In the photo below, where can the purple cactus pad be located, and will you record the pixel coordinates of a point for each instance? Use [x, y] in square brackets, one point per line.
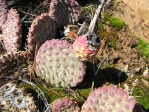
[59, 70]
[110, 99]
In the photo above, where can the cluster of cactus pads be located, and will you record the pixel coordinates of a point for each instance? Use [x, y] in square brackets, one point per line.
[61, 12]
[58, 62]
[14, 99]
[103, 99]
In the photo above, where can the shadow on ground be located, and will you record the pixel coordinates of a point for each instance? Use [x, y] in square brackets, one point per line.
[84, 2]
[110, 75]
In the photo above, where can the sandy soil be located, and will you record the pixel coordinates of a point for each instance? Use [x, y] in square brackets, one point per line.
[135, 13]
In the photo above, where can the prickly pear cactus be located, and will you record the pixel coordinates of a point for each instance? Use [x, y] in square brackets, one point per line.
[110, 99]
[13, 65]
[12, 31]
[13, 99]
[65, 105]
[56, 64]
[86, 46]
[43, 28]
[3, 12]
[64, 11]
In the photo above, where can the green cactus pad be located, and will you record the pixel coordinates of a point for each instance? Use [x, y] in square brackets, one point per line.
[110, 99]
[56, 63]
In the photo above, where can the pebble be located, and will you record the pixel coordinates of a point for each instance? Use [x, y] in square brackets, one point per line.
[126, 88]
[146, 72]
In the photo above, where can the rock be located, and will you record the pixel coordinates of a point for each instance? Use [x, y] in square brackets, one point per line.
[145, 82]
[136, 82]
[126, 87]
[146, 72]
[126, 68]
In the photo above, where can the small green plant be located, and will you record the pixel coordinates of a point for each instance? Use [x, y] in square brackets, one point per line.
[101, 31]
[143, 48]
[105, 17]
[142, 97]
[116, 23]
[100, 25]
[112, 42]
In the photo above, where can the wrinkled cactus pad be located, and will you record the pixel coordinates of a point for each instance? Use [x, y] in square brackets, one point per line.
[13, 99]
[86, 47]
[12, 31]
[43, 28]
[13, 64]
[3, 12]
[110, 99]
[56, 63]
[65, 105]
[64, 11]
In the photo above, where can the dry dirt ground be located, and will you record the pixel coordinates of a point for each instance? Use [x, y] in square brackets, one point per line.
[136, 14]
